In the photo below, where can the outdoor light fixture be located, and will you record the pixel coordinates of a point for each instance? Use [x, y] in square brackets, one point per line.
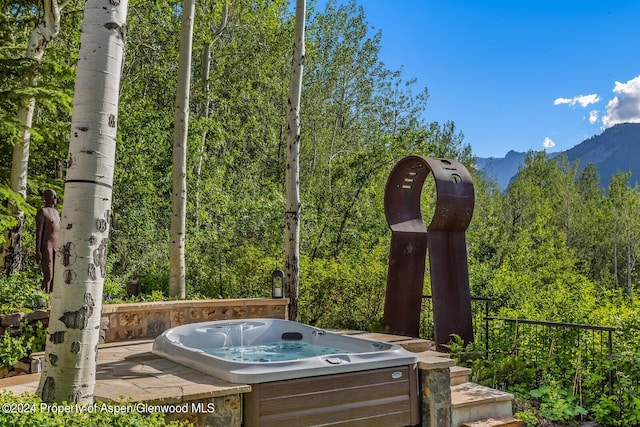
[277, 284]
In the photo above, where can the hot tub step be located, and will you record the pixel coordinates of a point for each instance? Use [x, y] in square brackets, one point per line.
[459, 374]
[412, 344]
[473, 402]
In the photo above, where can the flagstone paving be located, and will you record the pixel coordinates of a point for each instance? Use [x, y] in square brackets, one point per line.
[130, 370]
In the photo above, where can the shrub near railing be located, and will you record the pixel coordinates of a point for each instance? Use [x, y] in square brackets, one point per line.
[552, 346]
[562, 371]
[620, 407]
[557, 357]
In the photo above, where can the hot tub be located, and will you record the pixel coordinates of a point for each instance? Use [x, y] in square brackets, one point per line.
[301, 375]
[263, 350]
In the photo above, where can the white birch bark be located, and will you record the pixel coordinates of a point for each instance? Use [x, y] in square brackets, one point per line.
[179, 196]
[292, 177]
[205, 70]
[74, 326]
[47, 28]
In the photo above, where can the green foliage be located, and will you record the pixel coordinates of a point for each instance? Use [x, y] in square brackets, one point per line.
[346, 292]
[557, 404]
[27, 339]
[113, 289]
[11, 198]
[493, 369]
[553, 247]
[21, 290]
[529, 419]
[618, 377]
[48, 81]
[28, 410]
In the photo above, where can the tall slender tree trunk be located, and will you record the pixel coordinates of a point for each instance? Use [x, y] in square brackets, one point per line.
[615, 253]
[629, 281]
[47, 27]
[80, 265]
[206, 69]
[179, 197]
[292, 177]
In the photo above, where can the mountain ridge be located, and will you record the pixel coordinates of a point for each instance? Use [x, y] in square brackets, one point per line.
[616, 149]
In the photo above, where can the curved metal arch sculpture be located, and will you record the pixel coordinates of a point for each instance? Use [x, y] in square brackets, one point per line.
[444, 239]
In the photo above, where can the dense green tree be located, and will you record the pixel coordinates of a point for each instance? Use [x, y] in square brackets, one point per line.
[35, 104]
[236, 165]
[142, 179]
[625, 206]
[487, 236]
[591, 238]
[359, 118]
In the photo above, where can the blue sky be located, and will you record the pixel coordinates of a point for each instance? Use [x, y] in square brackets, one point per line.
[520, 74]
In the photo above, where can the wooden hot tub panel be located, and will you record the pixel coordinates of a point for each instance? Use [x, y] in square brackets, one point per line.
[382, 397]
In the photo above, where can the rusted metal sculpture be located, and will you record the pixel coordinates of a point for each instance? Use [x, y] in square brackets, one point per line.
[445, 240]
[47, 233]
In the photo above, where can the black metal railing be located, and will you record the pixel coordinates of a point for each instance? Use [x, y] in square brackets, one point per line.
[552, 347]
[572, 335]
[542, 347]
[479, 312]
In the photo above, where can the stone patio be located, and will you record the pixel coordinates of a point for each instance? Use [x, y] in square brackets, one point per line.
[128, 371]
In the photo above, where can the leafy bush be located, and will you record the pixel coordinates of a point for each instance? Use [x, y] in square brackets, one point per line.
[28, 339]
[346, 292]
[250, 277]
[621, 406]
[114, 289]
[21, 290]
[557, 404]
[7, 197]
[527, 417]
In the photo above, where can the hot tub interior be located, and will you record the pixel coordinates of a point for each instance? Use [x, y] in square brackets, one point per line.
[262, 350]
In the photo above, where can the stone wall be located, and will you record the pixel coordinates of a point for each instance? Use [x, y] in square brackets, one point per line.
[145, 320]
[10, 323]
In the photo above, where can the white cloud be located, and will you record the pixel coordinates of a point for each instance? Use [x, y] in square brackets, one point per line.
[562, 101]
[548, 143]
[593, 116]
[583, 100]
[624, 108]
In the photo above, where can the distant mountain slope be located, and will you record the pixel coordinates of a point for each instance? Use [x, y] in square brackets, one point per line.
[502, 169]
[615, 149]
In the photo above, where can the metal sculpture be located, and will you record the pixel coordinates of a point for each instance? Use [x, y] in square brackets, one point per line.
[444, 239]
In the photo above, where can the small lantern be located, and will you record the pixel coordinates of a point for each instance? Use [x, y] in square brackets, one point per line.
[277, 284]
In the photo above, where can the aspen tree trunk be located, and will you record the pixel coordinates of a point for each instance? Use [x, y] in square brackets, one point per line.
[179, 196]
[47, 27]
[292, 215]
[630, 263]
[205, 70]
[80, 264]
